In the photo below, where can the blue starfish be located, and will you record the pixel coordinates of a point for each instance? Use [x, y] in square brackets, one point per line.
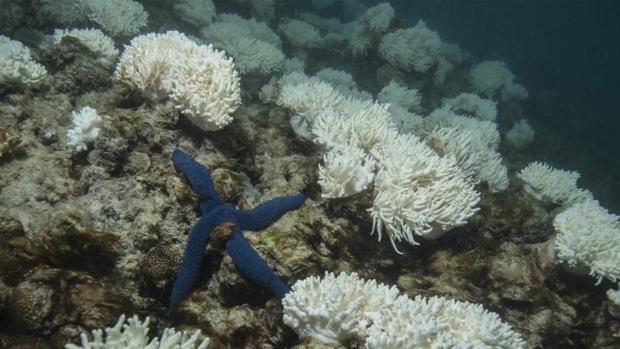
[216, 212]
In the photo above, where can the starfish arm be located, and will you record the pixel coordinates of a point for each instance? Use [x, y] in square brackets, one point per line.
[252, 266]
[193, 255]
[267, 213]
[197, 175]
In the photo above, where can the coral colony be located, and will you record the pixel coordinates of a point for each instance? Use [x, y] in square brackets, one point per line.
[422, 148]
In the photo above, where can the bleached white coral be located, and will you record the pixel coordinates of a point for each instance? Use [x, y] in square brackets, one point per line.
[417, 192]
[201, 81]
[396, 94]
[443, 117]
[60, 11]
[424, 195]
[307, 98]
[253, 45]
[133, 334]
[345, 308]
[363, 123]
[250, 27]
[337, 78]
[85, 128]
[293, 65]
[406, 121]
[491, 78]
[17, 65]
[613, 297]
[343, 82]
[205, 87]
[470, 104]
[548, 184]
[589, 236]
[370, 27]
[334, 308]
[346, 170]
[439, 322]
[300, 34]
[146, 62]
[94, 39]
[410, 49]
[472, 142]
[196, 12]
[255, 56]
[117, 17]
[520, 134]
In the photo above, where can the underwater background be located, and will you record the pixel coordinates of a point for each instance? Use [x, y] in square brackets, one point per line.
[564, 53]
[309, 174]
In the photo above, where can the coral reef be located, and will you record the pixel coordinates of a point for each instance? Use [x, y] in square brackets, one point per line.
[416, 140]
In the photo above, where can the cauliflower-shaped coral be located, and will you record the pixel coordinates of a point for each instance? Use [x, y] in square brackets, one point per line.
[146, 62]
[255, 47]
[473, 105]
[410, 49]
[520, 134]
[17, 65]
[374, 23]
[334, 308]
[589, 237]
[196, 12]
[117, 17]
[300, 34]
[201, 81]
[491, 78]
[205, 87]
